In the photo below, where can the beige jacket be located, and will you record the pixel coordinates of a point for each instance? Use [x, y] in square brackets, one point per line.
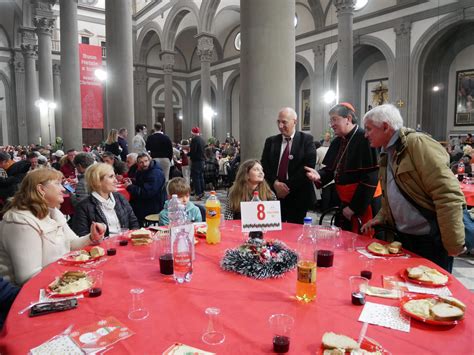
[27, 243]
[421, 169]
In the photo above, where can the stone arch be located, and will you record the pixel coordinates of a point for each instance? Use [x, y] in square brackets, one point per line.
[317, 12]
[176, 98]
[207, 14]
[5, 33]
[418, 58]
[145, 34]
[12, 133]
[177, 13]
[306, 64]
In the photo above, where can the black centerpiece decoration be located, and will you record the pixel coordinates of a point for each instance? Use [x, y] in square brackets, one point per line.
[260, 259]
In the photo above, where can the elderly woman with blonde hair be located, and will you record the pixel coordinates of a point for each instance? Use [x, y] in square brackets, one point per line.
[104, 204]
[34, 233]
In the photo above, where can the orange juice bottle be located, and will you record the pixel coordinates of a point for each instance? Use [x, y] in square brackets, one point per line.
[306, 269]
[213, 219]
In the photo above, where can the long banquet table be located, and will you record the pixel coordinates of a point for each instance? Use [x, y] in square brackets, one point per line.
[177, 311]
[468, 191]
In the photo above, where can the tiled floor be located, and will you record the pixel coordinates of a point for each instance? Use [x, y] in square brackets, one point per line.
[463, 266]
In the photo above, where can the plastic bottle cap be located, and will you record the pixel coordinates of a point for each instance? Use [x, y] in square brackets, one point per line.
[308, 220]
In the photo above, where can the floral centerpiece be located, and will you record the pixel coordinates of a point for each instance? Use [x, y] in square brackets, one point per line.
[260, 259]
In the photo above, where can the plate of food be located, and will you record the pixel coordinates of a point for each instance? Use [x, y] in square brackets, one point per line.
[425, 276]
[390, 250]
[430, 309]
[200, 230]
[337, 344]
[70, 283]
[141, 236]
[84, 255]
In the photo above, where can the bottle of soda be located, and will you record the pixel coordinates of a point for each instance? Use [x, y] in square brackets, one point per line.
[461, 170]
[256, 234]
[173, 211]
[182, 250]
[306, 279]
[213, 219]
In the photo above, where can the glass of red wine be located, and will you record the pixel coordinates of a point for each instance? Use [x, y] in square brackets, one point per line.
[281, 326]
[367, 267]
[326, 241]
[358, 289]
[95, 277]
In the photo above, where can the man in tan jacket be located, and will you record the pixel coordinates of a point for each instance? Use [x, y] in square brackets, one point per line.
[422, 198]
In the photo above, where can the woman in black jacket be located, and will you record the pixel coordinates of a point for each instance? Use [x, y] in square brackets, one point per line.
[111, 144]
[103, 204]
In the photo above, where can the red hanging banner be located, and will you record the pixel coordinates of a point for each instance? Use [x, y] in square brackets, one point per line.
[91, 87]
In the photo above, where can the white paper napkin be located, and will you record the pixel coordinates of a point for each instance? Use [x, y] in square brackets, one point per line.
[439, 291]
[61, 344]
[364, 252]
[385, 316]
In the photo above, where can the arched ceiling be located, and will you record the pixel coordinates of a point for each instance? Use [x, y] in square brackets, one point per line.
[227, 19]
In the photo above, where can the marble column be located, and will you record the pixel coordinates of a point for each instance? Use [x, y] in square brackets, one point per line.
[118, 28]
[267, 67]
[345, 49]
[20, 101]
[140, 78]
[318, 116]
[30, 50]
[402, 71]
[220, 120]
[44, 23]
[70, 78]
[58, 124]
[188, 113]
[205, 50]
[167, 60]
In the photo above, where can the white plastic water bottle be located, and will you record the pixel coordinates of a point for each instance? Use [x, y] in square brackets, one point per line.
[182, 257]
[173, 211]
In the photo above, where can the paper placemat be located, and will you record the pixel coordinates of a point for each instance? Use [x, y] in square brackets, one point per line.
[364, 252]
[439, 291]
[61, 344]
[182, 349]
[385, 316]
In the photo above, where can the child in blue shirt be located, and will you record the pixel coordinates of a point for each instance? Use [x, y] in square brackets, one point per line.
[180, 187]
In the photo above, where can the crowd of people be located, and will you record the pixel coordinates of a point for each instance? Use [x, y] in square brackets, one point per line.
[375, 170]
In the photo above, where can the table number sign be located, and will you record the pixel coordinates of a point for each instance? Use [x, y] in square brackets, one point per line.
[260, 215]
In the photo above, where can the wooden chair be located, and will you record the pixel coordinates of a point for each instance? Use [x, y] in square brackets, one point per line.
[151, 220]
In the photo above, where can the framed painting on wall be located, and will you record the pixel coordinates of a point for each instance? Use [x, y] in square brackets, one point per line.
[306, 109]
[376, 93]
[464, 107]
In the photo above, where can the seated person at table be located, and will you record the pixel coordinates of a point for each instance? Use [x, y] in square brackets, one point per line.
[82, 161]
[34, 233]
[249, 178]
[179, 186]
[8, 294]
[120, 167]
[104, 204]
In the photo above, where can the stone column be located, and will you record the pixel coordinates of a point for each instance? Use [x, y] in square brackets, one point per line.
[29, 48]
[205, 50]
[118, 26]
[140, 91]
[20, 101]
[167, 59]
[44, 23]
[58, 124]
[70, 78]
[267, 67]
[188, 113]
[318, 125]
[220, 119]
[345, 50]
[402, 71]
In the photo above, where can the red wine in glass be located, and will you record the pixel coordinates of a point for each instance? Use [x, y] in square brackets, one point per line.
[166, 264]
[367, 274]
[123, 242]
[358, 298]
[325, 258]
[111, 251]
[281, 344]
[95, 292]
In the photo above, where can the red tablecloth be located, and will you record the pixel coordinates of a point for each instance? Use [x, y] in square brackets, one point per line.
[68, 209]
[468, 191]
[177, 311]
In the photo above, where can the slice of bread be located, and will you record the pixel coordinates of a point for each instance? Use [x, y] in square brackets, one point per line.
[334, 352]
[141, 241]
[396, 245]
[420, 307]
[97, 251]
[393, 250]
[453, 301]
[141, 233]
[415, 272]
[336, 341]
[377, 248]
[446, 312]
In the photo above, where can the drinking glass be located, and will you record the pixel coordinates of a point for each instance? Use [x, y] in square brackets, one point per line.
[165, 254]
[367, 267]
[281, 326]
[213, 334]
[137, 310]
[122, 237]
[326, 240]
[96, 277]
[358, 288]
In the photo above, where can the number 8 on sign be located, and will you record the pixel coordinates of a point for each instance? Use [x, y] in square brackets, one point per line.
[260, 211]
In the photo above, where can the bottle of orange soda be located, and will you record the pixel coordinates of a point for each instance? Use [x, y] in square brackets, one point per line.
[213, 219]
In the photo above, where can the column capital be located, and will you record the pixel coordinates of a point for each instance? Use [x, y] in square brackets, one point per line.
[403, 28]
[44, 25]
[30, 50]
[205, 47]
[140, 76]
[28, 36]
[19, 66]
[319, 50]
[167, 60]
[344, 6]
[56, 69]
[43, 7]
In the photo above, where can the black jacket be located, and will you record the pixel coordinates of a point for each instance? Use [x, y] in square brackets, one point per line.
[124, 145]
[19, 169]
[88, 211]
[160, 146]
[196, 152]
[113, 148]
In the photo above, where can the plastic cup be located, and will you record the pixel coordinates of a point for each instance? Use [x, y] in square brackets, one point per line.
[358, 288]
[96, 277]
[137, 310]
[281, 326]
[214, 334]
[367, 267]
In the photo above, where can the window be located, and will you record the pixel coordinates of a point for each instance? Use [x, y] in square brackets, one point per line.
[103, 45]
[84, 40]
[237, 41]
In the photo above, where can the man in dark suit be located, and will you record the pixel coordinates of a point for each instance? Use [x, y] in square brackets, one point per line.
[161, 149]
[283, 159]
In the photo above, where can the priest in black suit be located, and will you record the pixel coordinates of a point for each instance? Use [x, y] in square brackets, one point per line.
[283, 159]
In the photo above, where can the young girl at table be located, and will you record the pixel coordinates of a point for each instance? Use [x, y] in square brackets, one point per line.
[34, 233]
[179, 186]
[249, 178]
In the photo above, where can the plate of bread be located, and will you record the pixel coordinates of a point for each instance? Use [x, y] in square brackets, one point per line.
[141, 236]
[70, 283]
[425, 276]
[379, 249]
[436, 310]
[84, 255]
[337, 344]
